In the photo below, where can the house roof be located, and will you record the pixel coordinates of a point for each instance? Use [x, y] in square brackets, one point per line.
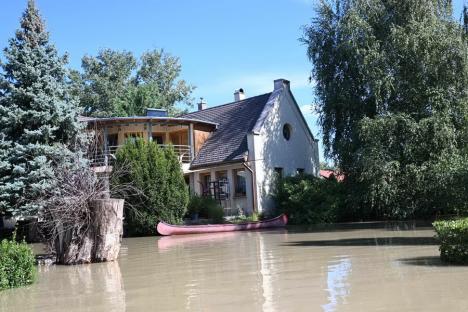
[145, 119]
[328, 174]
[235, 120]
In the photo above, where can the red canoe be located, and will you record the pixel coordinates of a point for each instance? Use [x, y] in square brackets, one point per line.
[169, 229]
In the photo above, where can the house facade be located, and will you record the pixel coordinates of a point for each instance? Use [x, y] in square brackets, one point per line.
[232, 152]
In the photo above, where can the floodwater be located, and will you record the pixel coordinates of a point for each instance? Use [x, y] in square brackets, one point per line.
[363, 267]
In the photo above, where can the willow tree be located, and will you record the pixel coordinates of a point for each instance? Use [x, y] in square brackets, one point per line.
[392, 81]
[37, 115]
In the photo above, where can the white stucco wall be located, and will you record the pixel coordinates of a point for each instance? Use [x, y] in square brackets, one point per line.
[270, 149]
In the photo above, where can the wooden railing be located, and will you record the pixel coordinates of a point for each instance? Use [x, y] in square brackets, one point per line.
[103, 158]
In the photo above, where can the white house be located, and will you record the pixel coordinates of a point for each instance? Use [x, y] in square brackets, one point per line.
[233, 151]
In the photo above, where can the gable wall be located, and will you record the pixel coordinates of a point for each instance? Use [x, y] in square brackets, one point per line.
[271, 149]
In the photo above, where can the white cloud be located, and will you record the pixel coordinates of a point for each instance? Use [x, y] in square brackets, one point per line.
[309, 110]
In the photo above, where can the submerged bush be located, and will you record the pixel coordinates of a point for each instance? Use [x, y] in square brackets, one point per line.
[206, 207]
[17, 264]
[453, 238]
[307, 199]
[157, 174]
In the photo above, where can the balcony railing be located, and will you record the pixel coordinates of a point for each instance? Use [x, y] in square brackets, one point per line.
[103, 158]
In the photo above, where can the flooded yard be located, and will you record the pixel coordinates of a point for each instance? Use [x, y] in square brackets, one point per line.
[370, 267]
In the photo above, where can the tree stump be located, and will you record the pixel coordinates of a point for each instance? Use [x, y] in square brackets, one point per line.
[100, 241]
[108, 228]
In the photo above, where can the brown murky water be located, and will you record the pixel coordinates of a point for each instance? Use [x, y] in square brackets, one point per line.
[348, 269]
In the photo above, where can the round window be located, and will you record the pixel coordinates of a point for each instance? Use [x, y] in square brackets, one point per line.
[287, 131]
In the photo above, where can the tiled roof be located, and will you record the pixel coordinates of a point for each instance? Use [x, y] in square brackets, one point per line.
[235, 120]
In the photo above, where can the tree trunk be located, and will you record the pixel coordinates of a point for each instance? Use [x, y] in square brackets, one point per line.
[100, 241]
[108, 228]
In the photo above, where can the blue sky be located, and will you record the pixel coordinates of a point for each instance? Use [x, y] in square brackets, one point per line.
[223, 45]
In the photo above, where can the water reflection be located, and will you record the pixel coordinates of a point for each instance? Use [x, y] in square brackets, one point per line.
[96, 287]
[338, 287]
[352, 270]
[266, 272]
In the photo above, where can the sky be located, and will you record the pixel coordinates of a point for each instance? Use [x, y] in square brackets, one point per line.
[222, 45]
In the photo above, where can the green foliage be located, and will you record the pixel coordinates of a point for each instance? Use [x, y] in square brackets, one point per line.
[115, 83]
[306, 199]
[37, 116]
[391, 81]
[453, 238]
[412, 169]
[206, 207]
[17, 264]
[156, 172]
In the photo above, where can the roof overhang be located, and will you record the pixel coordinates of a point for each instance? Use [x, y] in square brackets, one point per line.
[108, 121]
[199, 167]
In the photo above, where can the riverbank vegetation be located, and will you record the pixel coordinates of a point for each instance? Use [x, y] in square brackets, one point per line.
[17, 264]
[205, 207]
[453, 239]
[306, 199]
[157, 174]
[391, 91]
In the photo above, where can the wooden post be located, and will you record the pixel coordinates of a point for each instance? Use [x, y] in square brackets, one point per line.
[190, 141]
[150, 132]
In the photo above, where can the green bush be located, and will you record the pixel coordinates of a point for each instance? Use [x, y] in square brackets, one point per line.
[453, 238]
[157, 174]
[206, 207]
[17, 264]
[307, 199]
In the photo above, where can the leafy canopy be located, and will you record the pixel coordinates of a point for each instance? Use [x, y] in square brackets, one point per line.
[391, 88]
[115, 83]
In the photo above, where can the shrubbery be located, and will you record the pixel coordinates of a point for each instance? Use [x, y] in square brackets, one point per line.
[307, 199]
[17, 264]
[453, 238]
[157, 174]
[206, 207]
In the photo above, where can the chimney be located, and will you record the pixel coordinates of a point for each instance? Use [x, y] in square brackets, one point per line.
[202, 104]
[239, 95]
[281, 84]
[156, 112]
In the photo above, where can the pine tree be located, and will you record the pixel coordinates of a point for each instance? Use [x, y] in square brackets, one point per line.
[37, 115]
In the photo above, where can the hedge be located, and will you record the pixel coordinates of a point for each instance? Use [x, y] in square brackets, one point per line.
[453, 238]
[157, 174]
[206, 207]
[309, 200]
[17, 264]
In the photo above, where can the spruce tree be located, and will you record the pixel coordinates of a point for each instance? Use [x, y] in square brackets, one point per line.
[37, 115]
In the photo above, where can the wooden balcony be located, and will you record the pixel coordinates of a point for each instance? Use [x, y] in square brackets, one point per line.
[107, 158]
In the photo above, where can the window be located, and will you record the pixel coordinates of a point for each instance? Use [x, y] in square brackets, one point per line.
[287, 131]
[239, 182]
[158, 139]
[279, 172]
[300, 171]
[112, 139]
[205, 181]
